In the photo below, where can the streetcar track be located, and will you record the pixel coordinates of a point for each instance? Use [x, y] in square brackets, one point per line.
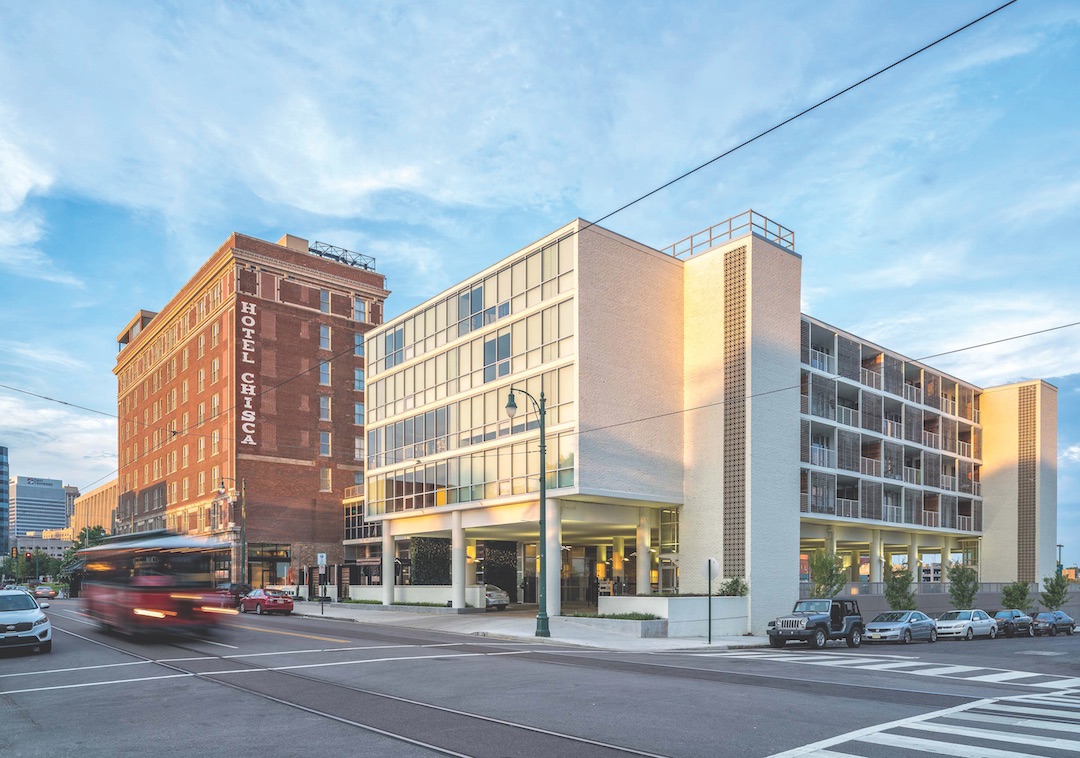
[599, 748]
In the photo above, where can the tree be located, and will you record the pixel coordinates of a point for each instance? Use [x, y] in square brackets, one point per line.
[898, 593]
[1055, 592]
[827, 574]
[88, 537]
[1016, 595]
[963, 585]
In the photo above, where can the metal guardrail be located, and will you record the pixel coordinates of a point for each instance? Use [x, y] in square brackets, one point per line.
[748, 222]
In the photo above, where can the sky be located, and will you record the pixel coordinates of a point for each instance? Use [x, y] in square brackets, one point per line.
[936, 207]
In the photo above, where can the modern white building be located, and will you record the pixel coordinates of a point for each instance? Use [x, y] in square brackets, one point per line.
[35, 504]
[692, 413]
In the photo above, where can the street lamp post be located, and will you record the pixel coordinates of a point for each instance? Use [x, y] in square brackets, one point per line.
[243, 525]
[542, 629]
[1060, 568]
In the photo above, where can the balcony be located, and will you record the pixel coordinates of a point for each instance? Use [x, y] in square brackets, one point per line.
[948, 406]
[975, 416]
[822, 456]
[894, 514]
[964, 523]
[976, 489]
[822, 361]
[912, 475]
[964, 449]
[948, 483]
[822, 504]
[931, 518]
[892, 428]
[931, 439]
[847, 416]
[351, 493]
[870, 378]
[913, 394]
[847, 508]
[870, 467]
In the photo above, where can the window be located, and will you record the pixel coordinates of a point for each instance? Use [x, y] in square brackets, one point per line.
[214, 370]
[201, 415]
[324, 443]
[201, 346]
[202, 380]
[183, 392]
[184, 485]
[215, 328]
[324, 301]
[359, 309]
[184, 358]
[324, 337]
[497, 356]
[358, 448]
[358, 478]
[202, 482]
[184, 457]
[215, 439]
[358, 414]
[358, 345]
[324, 373]
[358, 379]
[326, 483]
[324, 408]
[214, 406]
[201, 451]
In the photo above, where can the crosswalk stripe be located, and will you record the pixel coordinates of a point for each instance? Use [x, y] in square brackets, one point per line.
[1057, 743]
[987, 718]
[936, 748]
[891, 665]
[946, 670]
[1001, 676]
[1062, 684]
[1010, 708]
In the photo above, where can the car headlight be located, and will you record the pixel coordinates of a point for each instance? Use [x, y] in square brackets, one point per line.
[42, 620]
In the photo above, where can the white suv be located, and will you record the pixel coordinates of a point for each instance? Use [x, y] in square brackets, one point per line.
[22, 624]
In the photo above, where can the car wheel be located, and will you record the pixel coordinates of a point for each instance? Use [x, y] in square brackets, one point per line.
[243, 608]
[819, 639]
[1069, 630]
[969, 635]
[1031, 631]
[993, 632]
[1053, 631]
[45, 647]
[854, 639]
[288, 613]
[258, 609]
[933, 635]
[777, 642]
[907, 637]
[501, 607]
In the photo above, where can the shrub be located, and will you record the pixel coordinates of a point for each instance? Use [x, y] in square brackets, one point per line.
[734, 587]
[898, 593]
[1055, 592]
[1016, 595]
[963, 585]
[827, 574]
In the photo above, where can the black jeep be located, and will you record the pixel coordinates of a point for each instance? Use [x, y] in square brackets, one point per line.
[817, 622]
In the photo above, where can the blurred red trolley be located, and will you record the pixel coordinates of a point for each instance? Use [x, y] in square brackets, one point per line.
[153, 582]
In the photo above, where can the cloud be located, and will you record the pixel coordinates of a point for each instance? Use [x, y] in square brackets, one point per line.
[1070, 454]
[37, 357]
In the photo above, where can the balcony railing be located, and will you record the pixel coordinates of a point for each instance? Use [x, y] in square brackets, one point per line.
[822, 456]
[912, 393]
[847, 416]
[948, 444]
[948, 483]
[804, 403]
[931, 439]
[822, 361]
[354, 492]
[892, 428]
[847, 508]
[912, 475]
[963, 523]
[975, 414]
[930, 518]
[870, 378]
[948, 406]
[870, 467]
[747, 222]
[894, 514]
[822, 504]
[976, 488]
[964, 449]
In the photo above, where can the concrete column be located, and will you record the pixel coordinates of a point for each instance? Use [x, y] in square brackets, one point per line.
[913, 557]
[830, 540]
[457, 560]
[644, 558]
[618, 549]
[388, 555]
[470, 562]
[875, 555]
[553, 542]
[946, 552]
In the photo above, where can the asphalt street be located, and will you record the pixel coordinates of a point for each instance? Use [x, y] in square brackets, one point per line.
[292, 686]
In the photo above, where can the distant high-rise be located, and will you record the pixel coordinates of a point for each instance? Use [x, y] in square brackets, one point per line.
[35, 504]
[70, 493]
[4, 499]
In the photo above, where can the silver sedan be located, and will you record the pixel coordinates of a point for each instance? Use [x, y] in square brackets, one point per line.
[900, 626]
[966, 624]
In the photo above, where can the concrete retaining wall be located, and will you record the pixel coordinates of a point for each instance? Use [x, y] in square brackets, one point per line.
[686, 616]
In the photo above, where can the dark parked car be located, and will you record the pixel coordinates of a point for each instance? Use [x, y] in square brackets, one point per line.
[1052, 622]
[231, 593]
[266, 601]
[1013, 622]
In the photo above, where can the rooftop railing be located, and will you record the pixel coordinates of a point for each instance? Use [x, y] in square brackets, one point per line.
[748, 222]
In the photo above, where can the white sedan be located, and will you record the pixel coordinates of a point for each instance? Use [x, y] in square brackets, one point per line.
[966, 625]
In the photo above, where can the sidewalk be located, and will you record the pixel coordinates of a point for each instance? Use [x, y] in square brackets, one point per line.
[518, 625]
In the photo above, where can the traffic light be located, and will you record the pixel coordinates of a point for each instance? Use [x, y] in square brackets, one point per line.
[14, 552]
[29, 555]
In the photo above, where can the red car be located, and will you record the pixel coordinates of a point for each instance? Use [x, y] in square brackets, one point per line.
[266, 601]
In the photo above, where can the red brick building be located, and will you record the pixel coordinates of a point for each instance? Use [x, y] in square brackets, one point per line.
[241, 403]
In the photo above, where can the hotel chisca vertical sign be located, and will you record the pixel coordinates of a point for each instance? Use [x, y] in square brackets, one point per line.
[248, 328]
